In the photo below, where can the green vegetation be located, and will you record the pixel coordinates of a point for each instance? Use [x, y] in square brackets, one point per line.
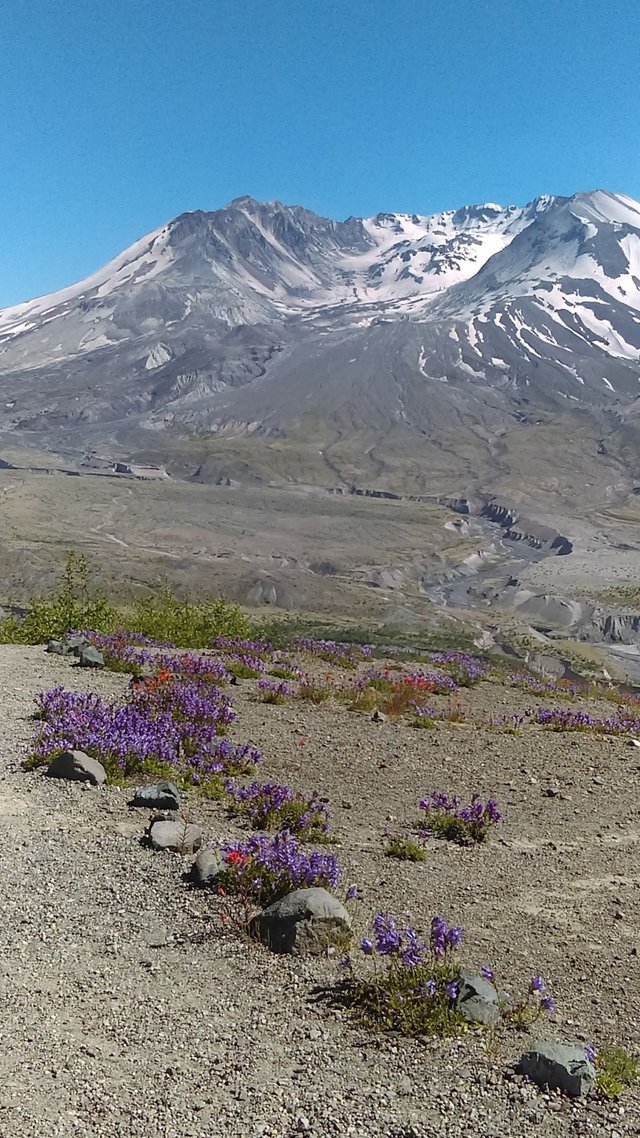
[282, 631]
[77, 605]
[404, 849]
[186, 624]
[616, 1071]
[73, 606]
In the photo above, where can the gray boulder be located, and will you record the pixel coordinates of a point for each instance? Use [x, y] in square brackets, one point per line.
[68, 646]
[73, 645]
[77, 767]
[305, 922]
[206, 869]
[56, 648]
[157, 796]
[90, 657]
[478, 1000]
[175, 835]
[560, 1065]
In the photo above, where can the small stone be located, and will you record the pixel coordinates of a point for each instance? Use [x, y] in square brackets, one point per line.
[157, 796]
[175, 835]
[56, 647]
[73, 645]
[379, 716]
[206, 868]
[90, 657]
[478, 1000]
[561, 1066]
[77, 767]
[306, 921]
[619, 915]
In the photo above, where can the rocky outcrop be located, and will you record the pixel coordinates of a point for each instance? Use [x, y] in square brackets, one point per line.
[619, 628]
[519, 528]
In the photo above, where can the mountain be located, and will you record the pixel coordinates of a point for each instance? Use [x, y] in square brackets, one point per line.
[403, 350]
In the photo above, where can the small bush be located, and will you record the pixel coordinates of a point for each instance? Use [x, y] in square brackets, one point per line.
[413, 987]
[187, 624]
[314, 693]
[616, 1071]
[361, 699]
[271, 692]
[448, 818]
[263, 869]
[272, 806]
[74, 605]
[526, 1011]
[404, 849]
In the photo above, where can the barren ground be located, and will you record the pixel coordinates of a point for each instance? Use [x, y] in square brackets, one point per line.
[129, 1012]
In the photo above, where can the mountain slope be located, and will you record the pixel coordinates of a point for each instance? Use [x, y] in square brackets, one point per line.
[264, 320]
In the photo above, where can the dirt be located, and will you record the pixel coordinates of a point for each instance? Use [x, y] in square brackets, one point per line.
[131, 1009]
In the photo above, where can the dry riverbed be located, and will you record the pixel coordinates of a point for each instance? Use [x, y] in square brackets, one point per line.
[130, 1012]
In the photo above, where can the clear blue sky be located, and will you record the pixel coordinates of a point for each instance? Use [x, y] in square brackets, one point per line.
[118, 115]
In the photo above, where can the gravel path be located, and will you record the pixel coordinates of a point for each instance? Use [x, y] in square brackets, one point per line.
[127, 1013]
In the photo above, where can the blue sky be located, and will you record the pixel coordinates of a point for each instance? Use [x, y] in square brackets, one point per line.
[118, 115]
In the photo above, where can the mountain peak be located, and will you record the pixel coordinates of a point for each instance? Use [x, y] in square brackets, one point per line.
[546, 294]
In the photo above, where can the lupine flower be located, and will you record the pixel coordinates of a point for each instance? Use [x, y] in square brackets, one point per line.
[352, 893]
[590, 1052]
[366, 945]
[273, 806]
[447, 817]
[547, 1004]
[413, 951]
[388, 939]
[453, 989]
[537, 984]
[273, 866]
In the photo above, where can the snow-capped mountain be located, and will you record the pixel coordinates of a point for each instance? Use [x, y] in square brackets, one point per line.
[254, 317]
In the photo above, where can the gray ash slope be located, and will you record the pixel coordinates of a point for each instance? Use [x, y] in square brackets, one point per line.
[264, 319]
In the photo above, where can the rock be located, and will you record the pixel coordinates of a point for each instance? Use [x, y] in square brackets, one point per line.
[559, 1065]
[73, 645]
[478, 1000]
[306, 921]
[69, 645]
[174, 834]
[90, 657]
[379, 716]
[206, 868]
[77, 767]
[157, 796]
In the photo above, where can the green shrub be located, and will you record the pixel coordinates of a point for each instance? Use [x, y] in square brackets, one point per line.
[73, 606]
[76, 605]
[404, 849]
[187, 624]
[616, 1071]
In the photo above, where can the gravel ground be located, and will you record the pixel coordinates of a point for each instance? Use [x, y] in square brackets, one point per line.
[127, 1012]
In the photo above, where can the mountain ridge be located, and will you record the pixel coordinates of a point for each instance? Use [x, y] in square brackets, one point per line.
[260, 319]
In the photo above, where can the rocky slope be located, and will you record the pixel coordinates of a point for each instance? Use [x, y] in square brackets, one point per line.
[433, 348]
[131, 1011]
